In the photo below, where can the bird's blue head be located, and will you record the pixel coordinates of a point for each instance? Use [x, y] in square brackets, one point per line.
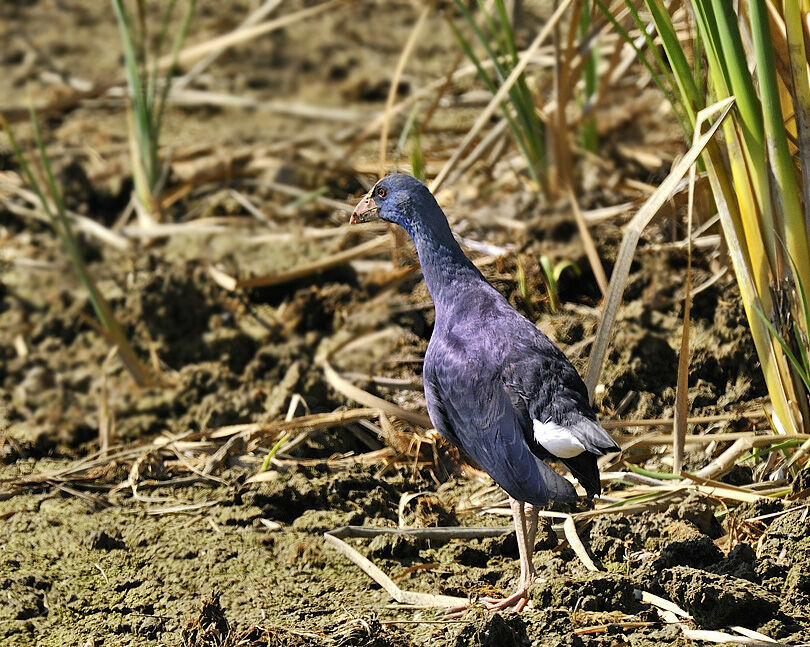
[403, 200]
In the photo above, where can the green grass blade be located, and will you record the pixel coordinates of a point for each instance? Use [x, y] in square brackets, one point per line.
[651, 46]
[550, 280]
[53, 189]
[273, 451]
[506, 30]
[560, 267]
[749, 111]
[800, 92]
[103, 311]
[133, 72]
[786, 192]
[691, 99]
[417, 157]
[742, 85]
[519, 96]
[33, 182]
[785, 348]
[482, 38]
[493, 30]
[588, 132]
[62, 227]
[523, 287]
[661, 476]
[406, 129]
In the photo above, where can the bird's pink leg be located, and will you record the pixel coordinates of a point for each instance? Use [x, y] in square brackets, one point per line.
[525, 538]
[531, 524]
[520, 598]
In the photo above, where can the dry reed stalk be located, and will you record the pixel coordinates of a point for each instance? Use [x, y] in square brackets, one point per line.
[364, 397]
[726, 461]
[106, 418]
[587, 241]
[800, 454]
[705, 439]
[254, 18]
[292, 108]
[342, 461]
[682, 383]
[438, 88]
[403, 597]
[65, 102]
[720, 491]
[604, 628]
[298, 192]
[706, 635]
[695, 420]
[632, 235]
[314, 233]
[661, 603]
[313, 421]
[570, 531]
[201, 226]
[712, 483]
[439, 534]
[82, 223]
[563, 90]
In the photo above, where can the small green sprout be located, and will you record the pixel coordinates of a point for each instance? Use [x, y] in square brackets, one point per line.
[273, 451]
[551, 277]
[524, 288]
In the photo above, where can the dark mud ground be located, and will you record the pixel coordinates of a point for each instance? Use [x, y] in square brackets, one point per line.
[194, 562]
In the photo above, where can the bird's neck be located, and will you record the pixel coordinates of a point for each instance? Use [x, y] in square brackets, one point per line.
[444, 266]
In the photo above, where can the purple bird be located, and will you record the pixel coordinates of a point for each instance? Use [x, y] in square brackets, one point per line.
[496, 387]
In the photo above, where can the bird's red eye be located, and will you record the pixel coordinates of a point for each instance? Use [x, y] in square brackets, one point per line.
[381, 192]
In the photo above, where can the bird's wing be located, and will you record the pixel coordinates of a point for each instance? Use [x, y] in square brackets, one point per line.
[548, 390]
[469, 406]
[553, 403]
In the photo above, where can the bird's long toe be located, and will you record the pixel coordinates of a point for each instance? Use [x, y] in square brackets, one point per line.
[517, 601]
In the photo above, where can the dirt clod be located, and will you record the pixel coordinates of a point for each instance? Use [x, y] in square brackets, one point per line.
[493, 630]
[788, 538]
[718, 600]
[394, 546]
[102, 540]
[591, 592]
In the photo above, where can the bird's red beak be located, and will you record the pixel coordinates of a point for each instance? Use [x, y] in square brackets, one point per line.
[365, 211]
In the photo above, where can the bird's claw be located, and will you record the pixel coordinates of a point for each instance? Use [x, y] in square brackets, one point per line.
[515, 602]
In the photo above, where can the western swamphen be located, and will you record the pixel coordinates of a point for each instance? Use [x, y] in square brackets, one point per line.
[496, 387]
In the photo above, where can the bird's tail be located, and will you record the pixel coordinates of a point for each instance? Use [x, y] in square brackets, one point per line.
[583, 466]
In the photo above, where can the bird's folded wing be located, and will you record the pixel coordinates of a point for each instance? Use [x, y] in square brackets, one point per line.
[549, 392]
